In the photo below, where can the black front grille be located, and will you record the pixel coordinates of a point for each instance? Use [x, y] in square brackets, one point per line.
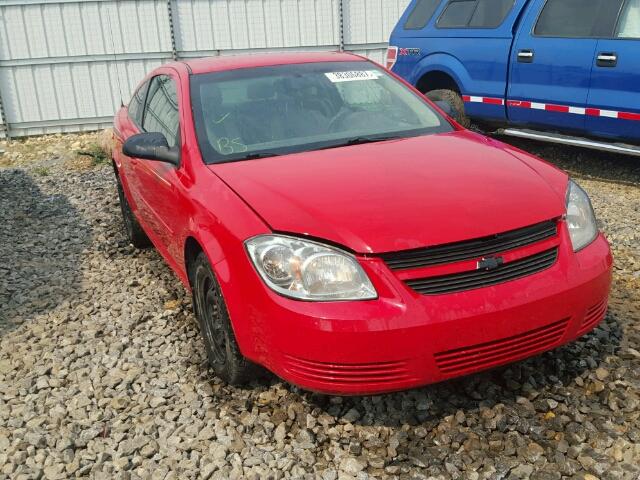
[459, 282]
[471, 249]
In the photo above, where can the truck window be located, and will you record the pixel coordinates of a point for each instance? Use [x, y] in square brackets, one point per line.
[421, 14]
[475, 13]
[629, 26]
[490, 13]
[577, 18]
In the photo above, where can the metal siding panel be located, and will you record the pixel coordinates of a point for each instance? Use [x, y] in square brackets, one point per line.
[93, 26]
[66, 93]
[4, 38]
[291, 24]
[16, 32]
[56, 36]
[239, 27]
[371, 21]
[221, 25]
[255, 24]
[186, 26]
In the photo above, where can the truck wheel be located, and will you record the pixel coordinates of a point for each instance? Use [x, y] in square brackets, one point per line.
[215, 327]
[135, 233]
[455, 100]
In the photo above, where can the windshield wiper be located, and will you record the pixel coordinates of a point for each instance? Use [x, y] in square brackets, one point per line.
[361, 141]
[257, 155]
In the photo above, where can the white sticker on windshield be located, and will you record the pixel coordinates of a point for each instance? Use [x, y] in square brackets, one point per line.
[337, 77]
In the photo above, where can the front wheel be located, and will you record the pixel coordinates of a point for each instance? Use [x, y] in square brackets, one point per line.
[219, 340]
[455, 101]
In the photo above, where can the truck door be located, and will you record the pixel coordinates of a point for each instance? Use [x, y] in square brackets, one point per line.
[614, 97]
[552, 59]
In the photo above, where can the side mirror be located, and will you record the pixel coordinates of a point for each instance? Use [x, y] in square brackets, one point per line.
[151, 146]
[445, 107]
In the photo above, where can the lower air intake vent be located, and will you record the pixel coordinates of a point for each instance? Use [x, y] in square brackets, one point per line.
[348, 374]
[459, 282]
[594, 315]
[498, 352]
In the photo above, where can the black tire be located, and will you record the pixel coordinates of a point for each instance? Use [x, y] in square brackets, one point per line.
[134, 231]
[219, 340]
[455, 100]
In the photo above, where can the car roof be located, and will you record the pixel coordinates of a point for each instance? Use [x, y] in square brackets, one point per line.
[233, 62]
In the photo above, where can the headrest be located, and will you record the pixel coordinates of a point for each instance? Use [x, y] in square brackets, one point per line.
[261, 91]
[211, 95]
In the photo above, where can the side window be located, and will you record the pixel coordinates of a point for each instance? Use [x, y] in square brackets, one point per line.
[629, 26]
[577, 18]
[491, 13]
[475, 13]
[161, 112]
[137, 103]
[421, 14]
[457, 14]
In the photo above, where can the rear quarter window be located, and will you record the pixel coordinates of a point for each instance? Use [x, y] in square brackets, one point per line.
[475, 13]
[422, 12]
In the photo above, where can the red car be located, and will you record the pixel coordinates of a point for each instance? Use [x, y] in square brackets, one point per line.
[342, 231]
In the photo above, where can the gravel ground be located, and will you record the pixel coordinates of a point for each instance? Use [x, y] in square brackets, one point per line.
[103, 374]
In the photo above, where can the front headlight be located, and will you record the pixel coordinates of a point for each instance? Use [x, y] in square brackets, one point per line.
[580, 217]
[308, 270]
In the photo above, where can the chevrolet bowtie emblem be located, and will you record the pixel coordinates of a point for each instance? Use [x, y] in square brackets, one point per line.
[490, 263]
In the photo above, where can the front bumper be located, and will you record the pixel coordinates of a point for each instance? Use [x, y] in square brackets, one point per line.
[403, 339]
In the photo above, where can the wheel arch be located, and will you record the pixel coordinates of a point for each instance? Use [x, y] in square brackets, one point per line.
[446, 71]
[437, 80]
[192, 248]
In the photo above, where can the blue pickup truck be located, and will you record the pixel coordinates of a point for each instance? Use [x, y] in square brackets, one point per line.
[565, 71]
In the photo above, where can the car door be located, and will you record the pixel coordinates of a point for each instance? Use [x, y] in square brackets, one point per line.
[158, 181]
[552, 59]
[614, 96]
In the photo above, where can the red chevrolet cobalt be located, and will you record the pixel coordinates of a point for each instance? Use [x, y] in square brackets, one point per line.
[340, 230]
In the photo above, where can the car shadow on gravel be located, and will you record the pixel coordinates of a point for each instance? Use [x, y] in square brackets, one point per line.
[550, 374]
[41, 241]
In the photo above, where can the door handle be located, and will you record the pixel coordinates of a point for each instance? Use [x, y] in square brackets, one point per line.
[525, 56]
[609, 59]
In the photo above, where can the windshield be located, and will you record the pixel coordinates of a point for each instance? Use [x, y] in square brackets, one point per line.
[267, 111]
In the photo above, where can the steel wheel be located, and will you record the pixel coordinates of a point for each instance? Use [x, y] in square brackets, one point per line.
[218, 335]
[208, 299]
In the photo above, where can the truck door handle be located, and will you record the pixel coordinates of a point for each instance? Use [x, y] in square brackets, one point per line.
[525, 56]
[607, 59]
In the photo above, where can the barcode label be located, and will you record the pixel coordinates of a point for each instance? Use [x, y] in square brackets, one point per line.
[337, 77]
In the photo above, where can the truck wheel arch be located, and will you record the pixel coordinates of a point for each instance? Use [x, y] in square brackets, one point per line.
[444, 69]
[437, 80]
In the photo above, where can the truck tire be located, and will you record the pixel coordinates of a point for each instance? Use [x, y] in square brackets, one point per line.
[455, 100]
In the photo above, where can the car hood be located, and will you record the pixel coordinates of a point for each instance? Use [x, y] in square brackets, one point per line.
[400, 194]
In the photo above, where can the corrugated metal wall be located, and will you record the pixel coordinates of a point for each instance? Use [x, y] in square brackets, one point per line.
[64, 64]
